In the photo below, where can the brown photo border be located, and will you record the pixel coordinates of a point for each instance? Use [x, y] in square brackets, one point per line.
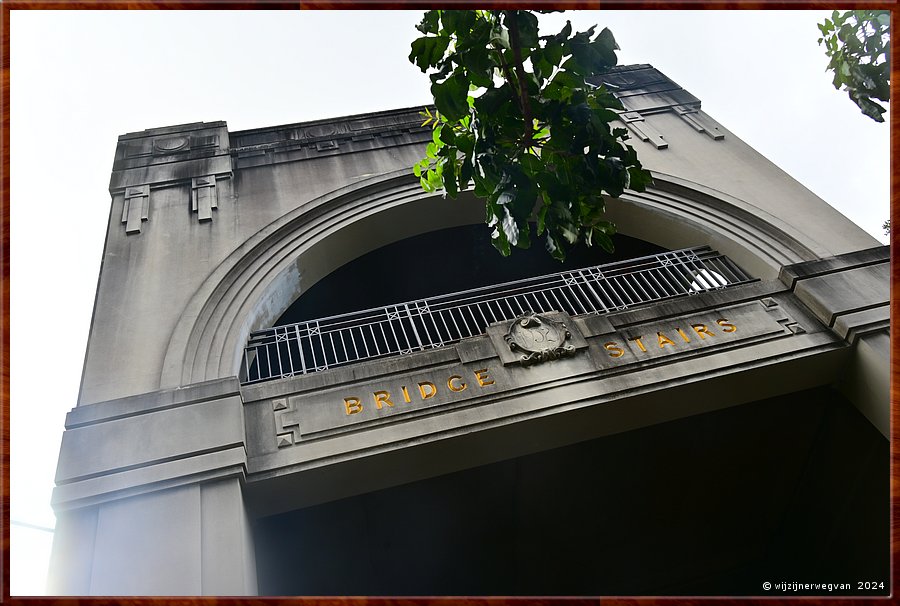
[9, 5]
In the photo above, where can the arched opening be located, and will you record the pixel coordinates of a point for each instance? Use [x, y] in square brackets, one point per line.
[254, 287]
[448, 260]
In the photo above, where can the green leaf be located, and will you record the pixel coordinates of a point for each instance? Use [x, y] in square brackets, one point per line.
[606, 39]
[553, 172]
[528, 29]
[429, 23]
[427, 52]
[480, 66]
[450, 180]
[450, 96]
[458, 22]
[500, 37]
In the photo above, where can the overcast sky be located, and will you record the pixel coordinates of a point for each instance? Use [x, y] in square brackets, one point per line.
[79, 79]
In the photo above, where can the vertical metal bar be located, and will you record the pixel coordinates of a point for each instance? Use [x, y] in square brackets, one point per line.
[515, 299]
[491, 311]
[353, 342]
[512, 313]
[322, 345]
[312, 346]
[374, 339]
[475, 320]
[637, 283]
[535, 304]
[651, 275]
[727, 272]
[300, 346]
[333, 348]
[462, 317]
[597, 297]
[437, 336]
[449, 338]
[340, 333]
[387, 346]
[559, 306]
[678, 287]
[571, 310]
[615, 290]
[402, 329]
[549, 304]
[362, 336]
[574, 293]
[458, 331]
[390, 322]
[412, 323]
[585, 299]
[287, 342]
[278, 354]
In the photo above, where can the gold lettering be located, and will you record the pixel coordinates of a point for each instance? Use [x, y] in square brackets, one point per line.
[483, 378]
[430, 386]
[664, 340]
[614, 350]
[352, 405]
[701, 330]
[382, 397]
[452, 387]
[405, 393]
[683, 336]
[726, 325]
[638, 341]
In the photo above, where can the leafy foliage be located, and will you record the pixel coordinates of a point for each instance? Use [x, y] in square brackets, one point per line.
[515, 116]
[859, 46]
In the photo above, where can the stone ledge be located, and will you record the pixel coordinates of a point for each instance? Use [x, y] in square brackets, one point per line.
[121, 408]
[202, 468]
[157, 436]
[565, 411]
[845, 291]
[790, 274]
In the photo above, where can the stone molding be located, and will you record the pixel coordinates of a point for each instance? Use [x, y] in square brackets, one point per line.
[151, 442]
[849, 293]
[194, 155]
[643, 91]
[251, 288]
[308, 140]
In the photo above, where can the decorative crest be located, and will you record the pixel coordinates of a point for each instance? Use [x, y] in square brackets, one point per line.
[538, 338]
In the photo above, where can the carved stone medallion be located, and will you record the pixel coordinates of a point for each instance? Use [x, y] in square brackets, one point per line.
[539, 339]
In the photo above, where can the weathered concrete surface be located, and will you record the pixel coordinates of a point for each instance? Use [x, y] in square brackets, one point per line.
[713, 188]
[213, 234]
[149, 496]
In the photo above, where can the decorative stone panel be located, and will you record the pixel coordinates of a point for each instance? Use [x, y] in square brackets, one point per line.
[136, 209]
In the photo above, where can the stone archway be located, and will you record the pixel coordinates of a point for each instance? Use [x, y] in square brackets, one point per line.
[268, 272]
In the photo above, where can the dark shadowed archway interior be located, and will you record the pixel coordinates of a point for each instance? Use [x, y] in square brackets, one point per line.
[441, 262]
[789, 489]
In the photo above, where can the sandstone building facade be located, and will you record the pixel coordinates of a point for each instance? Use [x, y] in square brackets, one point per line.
[306, 376]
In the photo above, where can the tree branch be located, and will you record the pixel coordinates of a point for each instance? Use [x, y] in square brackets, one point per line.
[520, 76]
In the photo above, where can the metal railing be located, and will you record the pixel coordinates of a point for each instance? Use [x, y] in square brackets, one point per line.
[317, 345]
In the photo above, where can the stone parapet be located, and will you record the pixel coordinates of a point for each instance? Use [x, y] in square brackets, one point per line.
[474, 403]
[150, 442]
[849, 293]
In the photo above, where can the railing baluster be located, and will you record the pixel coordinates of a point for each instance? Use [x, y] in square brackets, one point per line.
[594, 290]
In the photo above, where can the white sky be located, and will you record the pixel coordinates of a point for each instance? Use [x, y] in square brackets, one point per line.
[81, 78]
